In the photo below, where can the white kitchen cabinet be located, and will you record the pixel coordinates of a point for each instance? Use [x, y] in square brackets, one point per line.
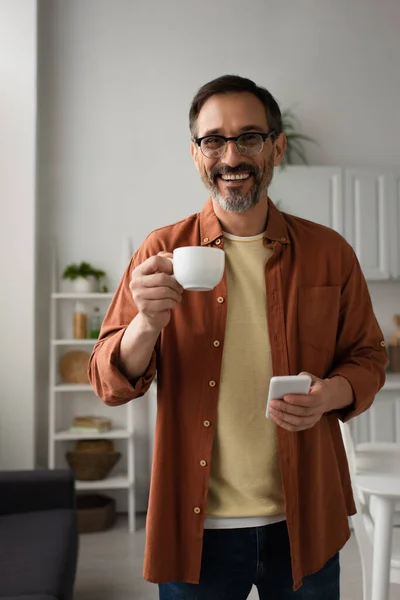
[381, 422]
[369, 220]
[314, 193]
[395, 227]
[361, 203]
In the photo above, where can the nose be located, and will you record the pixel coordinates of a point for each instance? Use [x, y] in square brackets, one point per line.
[232, 156]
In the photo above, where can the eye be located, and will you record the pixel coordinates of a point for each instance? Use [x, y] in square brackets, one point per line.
[250, 139]
[212, 142]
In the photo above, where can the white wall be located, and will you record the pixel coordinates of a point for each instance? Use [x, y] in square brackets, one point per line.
[119, 78]
[17, 231]
[116, 81]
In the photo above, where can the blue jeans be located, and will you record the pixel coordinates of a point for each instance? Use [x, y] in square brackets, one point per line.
[234, 560]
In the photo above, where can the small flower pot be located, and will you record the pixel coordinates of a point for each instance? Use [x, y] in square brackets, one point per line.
[85, 285]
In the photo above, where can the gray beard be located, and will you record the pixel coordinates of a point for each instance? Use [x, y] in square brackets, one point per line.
[237, 202]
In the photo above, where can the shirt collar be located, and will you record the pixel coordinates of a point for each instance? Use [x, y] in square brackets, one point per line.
[210, 227]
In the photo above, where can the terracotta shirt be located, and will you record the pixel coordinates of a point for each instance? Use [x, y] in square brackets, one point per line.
[320, 320]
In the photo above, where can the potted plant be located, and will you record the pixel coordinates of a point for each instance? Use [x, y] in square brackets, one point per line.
[294, 139]
[84, 277]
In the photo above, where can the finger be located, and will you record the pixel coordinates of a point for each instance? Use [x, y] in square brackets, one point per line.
[155, 264]
[157, 306]
[302, 411]
[160, 280]
[295, 420]
[165, 254]
[158, 293]
[306, 400]
[291, 423]
[314, 378]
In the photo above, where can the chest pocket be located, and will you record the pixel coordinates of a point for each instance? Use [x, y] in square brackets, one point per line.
[318, 316]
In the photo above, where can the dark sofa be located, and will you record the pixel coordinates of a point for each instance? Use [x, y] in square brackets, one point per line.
[38, 535]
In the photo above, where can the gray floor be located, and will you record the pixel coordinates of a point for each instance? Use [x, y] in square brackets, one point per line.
[110, 568]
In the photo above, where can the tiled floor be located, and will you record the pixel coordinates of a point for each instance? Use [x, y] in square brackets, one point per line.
[110, 568]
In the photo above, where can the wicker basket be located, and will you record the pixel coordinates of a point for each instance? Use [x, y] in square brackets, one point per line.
[96, 512]
[92, 466]
[73, 366]
[101, 446]
[394, 358]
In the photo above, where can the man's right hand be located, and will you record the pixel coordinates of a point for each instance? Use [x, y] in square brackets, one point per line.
[154, 291]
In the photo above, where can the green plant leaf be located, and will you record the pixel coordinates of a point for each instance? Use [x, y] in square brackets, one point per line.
[84, 269]
[294, 138]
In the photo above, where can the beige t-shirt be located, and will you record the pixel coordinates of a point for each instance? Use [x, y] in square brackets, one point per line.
[245, 478]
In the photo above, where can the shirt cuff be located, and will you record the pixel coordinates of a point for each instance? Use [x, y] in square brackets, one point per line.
[365, 386]
[108, 381]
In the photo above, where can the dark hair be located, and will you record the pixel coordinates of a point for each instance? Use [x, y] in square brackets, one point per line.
[234, 84]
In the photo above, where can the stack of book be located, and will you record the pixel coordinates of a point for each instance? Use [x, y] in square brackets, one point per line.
[90, 425]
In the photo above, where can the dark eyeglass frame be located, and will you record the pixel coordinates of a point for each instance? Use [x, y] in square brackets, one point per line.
[235, 139]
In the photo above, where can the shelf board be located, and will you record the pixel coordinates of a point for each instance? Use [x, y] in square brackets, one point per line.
[114, 434]
[113, 482]
[392, 383]
[77, 296]
[73, 342]
[72, 387]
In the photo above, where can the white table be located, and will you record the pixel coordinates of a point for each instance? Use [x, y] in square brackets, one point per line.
[385, 489]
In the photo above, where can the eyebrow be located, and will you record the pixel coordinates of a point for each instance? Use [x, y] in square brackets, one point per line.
[241, 130]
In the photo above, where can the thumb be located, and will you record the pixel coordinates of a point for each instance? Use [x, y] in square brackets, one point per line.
[168, 264]
[314, 378]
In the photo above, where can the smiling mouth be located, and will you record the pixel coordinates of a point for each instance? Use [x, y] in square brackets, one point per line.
[235, 177]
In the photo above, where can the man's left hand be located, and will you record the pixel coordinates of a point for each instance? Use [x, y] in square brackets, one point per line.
[297, 412]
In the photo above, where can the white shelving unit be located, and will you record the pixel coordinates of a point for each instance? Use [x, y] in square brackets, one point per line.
[68, 400]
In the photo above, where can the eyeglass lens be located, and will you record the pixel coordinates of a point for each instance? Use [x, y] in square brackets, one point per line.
[248, 144]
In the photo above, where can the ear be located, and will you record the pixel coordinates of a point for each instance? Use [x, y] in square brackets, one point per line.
[194, 151]
[279, 149]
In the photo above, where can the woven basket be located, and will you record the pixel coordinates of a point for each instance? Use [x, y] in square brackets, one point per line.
[92, 466]
[73, 366]
[96, 512]
[101, 446]
[394, 359]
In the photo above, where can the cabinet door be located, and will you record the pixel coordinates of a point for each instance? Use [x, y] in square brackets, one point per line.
[395, 228]
[369, 200]
[313, 193]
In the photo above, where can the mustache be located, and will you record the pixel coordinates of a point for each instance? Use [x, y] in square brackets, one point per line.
[227, 170]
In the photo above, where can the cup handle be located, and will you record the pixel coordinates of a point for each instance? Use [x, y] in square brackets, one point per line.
[172, 262]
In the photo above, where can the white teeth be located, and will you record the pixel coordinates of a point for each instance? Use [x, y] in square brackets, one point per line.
[235, 177]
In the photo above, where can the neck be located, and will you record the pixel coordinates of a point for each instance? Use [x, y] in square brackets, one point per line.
[246, 224]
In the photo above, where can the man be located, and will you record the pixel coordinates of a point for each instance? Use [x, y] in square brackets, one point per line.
[237, 499]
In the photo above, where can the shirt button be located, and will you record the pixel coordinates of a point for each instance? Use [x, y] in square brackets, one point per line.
[217, 242]
[203, 463]
[383, 344]
[206, 423]
[206, 240]
[220, 299]
[197, 510]
[216, 343]
[283, 239]
[212, 383]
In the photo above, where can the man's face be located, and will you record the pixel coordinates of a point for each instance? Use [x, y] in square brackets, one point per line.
[231, 115]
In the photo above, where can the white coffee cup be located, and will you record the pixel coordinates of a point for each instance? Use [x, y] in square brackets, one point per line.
[198, 268]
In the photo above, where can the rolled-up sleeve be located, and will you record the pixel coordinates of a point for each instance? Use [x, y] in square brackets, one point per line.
[108, 381]
[360, 356]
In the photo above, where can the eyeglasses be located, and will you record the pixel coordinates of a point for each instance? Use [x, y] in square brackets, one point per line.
[248, 144]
